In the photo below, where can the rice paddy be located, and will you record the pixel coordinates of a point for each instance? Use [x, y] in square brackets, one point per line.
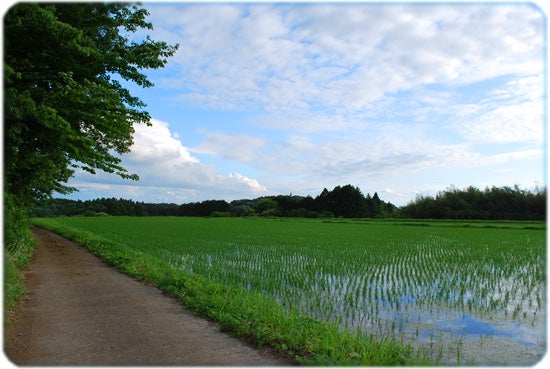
[467, 293]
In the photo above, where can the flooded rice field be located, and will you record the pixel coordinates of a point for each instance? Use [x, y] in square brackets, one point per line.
[464, 293]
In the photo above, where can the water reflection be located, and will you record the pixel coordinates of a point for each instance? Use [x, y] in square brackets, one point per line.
[475, 338]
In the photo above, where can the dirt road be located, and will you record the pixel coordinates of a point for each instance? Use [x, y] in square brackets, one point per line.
[80, 311]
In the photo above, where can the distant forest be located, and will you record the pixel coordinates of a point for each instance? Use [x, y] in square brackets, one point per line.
[495, 203]
[502, 203]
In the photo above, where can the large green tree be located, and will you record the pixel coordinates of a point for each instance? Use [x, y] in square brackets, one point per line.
[67, 70]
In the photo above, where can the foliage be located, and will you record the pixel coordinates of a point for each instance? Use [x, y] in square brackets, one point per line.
[205, 208]
[65, 104]
[506, 202]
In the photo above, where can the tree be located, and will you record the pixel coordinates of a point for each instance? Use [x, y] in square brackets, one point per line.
[266, 206]
[343, 201]
[65, 104]
[348, 202]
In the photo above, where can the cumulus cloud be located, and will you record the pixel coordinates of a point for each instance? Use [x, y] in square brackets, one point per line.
[168, 170]
[155, 143]
[158, 157]
[254, 185]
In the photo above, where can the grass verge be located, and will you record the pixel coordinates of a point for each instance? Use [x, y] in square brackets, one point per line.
[252, 316]
[16, 257]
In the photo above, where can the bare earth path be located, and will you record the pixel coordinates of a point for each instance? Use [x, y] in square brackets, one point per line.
[80, 311]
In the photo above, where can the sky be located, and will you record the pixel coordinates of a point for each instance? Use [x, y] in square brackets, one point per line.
[402, 99]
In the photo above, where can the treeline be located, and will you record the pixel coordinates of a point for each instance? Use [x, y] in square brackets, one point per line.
[495, 203]
[343, 201]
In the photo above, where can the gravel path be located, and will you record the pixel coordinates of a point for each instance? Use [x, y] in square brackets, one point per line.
[80, 311]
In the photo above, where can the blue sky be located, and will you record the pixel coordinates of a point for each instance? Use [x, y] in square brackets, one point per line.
[279, 98]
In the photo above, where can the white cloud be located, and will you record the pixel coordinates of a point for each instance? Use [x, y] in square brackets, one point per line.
[254, 185]
[527, 154]
[238, 147]
[512, 113]
[156, 143]
[374, 160]
[516, 123]
[167, 167]
[344, 56]
[159, 158]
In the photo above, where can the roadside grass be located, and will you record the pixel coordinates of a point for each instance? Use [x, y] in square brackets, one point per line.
[16, 257]
[249, 315]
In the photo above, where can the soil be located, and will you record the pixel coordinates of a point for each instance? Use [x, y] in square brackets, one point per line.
[80, 311]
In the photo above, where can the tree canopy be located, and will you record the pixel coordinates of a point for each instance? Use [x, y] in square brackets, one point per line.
[67, 67]
[503, 203]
